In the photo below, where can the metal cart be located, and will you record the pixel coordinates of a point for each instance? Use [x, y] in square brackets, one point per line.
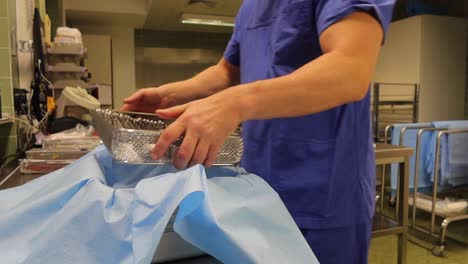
[384, 167]
[395, 108]
[438, 250]
[382, 225]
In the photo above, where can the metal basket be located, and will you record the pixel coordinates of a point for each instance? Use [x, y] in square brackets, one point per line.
[131, 136]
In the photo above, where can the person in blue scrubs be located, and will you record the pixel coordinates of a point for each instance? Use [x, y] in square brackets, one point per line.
[296, 74]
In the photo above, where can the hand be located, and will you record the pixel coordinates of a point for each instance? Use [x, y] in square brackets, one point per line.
[205, 124]
[146, 100]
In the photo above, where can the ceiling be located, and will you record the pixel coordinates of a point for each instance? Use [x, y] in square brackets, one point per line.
[165, 14]
[454, 8]
[130, 13]
[149, 14]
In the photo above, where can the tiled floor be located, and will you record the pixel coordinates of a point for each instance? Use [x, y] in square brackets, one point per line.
[384, 250]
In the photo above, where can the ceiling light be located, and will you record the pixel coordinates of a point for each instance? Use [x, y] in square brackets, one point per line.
[209, 20]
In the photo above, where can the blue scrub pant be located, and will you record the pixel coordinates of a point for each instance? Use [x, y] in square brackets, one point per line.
[348, 245]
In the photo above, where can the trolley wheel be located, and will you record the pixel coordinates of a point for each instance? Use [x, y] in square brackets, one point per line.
[438, 251]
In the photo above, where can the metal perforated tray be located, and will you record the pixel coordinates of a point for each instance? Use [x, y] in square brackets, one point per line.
[131, 136]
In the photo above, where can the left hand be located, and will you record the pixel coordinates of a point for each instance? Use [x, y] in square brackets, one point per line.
[205, 124]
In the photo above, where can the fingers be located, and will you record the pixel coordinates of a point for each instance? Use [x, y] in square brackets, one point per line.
[186, 150]
[168, 136]
[200, 153]
[133, 102]
[138, 108]
[171, 113]
[211, 157]
[128, 107]
[134, 98]
[140, 101]
[192, 150]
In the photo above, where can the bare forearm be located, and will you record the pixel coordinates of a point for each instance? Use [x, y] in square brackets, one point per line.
[341, 75]
[208, 82]
[329, 81]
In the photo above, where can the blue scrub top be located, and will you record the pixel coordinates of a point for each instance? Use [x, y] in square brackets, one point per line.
[321, 165]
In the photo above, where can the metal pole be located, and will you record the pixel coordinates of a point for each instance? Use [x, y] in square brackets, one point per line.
[376, 110]
[403, 215]
[416, 176]
[436, 180]
[384, 171]
[416, 102]
[436, 176]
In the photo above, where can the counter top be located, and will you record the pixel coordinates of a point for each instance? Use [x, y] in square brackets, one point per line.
[10, 176]
[386, 153]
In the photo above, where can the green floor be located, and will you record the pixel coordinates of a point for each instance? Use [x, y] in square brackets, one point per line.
[384, 250]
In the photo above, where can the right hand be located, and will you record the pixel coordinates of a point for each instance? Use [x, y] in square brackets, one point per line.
[146, 100]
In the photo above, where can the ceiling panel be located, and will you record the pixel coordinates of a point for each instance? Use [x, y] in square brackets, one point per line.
[129, 13]
[165, 15]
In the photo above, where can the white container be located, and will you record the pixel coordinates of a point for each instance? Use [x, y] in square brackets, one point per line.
[76, 96]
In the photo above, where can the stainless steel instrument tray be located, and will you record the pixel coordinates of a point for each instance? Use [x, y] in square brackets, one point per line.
[54, 154]
[131, 136]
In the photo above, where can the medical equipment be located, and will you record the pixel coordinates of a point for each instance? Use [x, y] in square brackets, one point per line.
[42, 166]
[45, 160]
[54, 154]
[59, 150]
[79, 101]
[440, 158]
[72, 143]
[131, 136]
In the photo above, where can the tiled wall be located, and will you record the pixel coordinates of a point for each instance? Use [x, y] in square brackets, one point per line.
[7, 131]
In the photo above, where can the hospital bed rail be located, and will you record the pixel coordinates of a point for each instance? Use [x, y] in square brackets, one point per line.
[384, 168]
[438, 250]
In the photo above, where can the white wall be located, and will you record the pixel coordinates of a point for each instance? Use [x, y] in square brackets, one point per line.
[123, 59]
[123, 64]
[109, 6]
[431, 51]
[397, 64]
[99, 59]
[159, 74]
[140, 67]
[163, 65]
[443, 67]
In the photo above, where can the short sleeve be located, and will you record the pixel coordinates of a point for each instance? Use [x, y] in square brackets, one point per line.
[232, 52]
[329, 12]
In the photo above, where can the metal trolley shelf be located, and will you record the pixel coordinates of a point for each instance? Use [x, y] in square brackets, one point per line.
[430, 201]
[382, 225]
[389, 108]
[438, 250]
